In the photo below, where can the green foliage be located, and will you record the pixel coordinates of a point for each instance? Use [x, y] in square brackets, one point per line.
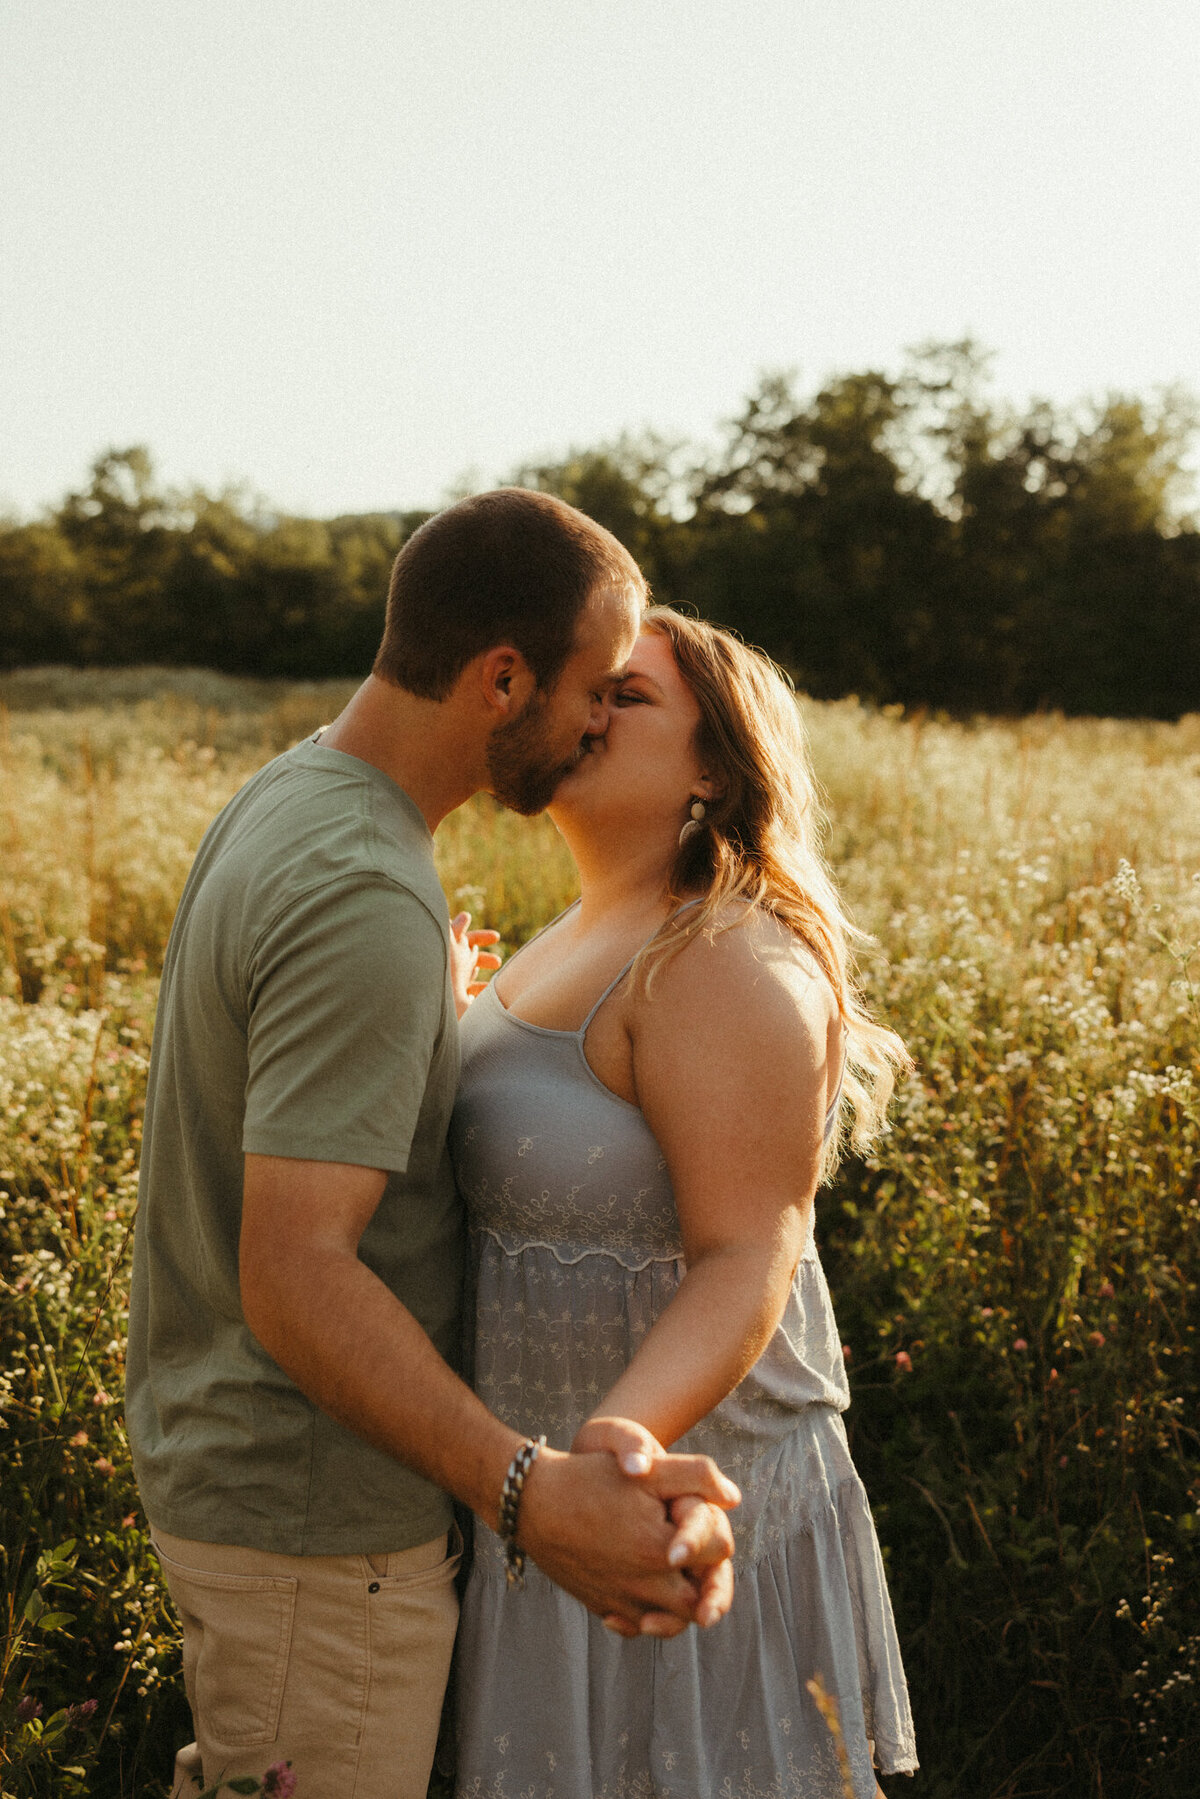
[1015, 1269]
[1016, 1272]
[123, 572]
[903, 538]
[276, 1781]
[87, 1636]
[909, 542]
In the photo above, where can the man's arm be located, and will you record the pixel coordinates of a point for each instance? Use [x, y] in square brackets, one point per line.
[358, 1353]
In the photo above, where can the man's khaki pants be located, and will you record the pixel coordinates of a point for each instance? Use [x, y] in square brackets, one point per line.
[337, 1664]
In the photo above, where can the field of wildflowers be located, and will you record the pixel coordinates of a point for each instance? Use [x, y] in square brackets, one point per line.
[1015, 1270]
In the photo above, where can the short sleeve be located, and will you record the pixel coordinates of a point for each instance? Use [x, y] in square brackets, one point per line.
[347, 1002]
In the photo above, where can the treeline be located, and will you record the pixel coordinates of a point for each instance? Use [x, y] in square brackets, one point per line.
[906, 539]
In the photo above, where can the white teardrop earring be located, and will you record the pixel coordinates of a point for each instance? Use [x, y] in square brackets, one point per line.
[693, 823]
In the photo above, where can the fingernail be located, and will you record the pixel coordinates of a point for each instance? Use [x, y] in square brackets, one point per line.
[677, 1555]
[636, 1462]
[732, 1492]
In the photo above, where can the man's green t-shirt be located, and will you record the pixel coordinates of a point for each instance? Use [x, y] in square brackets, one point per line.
[305, 1011]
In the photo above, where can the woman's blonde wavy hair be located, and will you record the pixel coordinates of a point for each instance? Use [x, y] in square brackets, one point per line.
[759, 845]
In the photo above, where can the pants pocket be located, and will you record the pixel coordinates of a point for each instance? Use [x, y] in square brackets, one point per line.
[237, 1639]
[432, 1564]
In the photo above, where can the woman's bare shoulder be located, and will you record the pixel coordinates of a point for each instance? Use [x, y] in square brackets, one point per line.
[743, 1027]
[752, 966]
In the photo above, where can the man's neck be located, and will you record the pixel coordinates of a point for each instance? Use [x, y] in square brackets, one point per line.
[421, 745]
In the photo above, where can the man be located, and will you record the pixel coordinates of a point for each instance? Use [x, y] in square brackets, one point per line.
[295, 1424]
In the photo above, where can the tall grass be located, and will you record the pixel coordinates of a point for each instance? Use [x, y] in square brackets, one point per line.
[1014, 1271]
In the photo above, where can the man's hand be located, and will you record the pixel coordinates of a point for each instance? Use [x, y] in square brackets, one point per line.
[702, 1544]
[467, 957]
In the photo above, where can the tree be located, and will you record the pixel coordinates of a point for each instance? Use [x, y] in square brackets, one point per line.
[124, 536]
[42, 598]
[904, 538]
[631, 488]
[821, 550]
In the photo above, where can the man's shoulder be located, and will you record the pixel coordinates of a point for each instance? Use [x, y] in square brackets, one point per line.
[311, 820]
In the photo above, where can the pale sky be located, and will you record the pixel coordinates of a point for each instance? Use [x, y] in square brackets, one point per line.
[348, 251]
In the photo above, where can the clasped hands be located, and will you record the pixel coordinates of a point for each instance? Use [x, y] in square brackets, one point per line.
[640, 1536]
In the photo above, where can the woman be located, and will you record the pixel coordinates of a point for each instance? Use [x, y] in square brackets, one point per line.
[652, 1091]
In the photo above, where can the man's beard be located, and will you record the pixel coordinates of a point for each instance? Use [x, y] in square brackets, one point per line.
[522, 776]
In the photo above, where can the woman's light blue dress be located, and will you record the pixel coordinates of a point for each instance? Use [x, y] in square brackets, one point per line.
[576, 1251]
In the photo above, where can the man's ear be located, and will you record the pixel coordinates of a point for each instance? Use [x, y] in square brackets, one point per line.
[506, 682]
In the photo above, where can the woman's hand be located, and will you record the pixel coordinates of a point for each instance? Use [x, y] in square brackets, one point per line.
[467, 956]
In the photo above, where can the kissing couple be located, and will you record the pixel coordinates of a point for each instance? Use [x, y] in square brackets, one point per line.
[589, 1185]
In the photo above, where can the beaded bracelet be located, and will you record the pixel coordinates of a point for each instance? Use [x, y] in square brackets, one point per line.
[510, 1505]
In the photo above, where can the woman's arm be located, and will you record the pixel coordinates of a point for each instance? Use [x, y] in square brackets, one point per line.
[732, 1062]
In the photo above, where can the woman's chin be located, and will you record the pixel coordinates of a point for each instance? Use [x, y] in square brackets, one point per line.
[576, 798]
[567, 802]
[577, 777]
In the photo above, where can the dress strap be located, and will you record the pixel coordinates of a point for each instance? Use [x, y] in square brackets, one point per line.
[616, 982]
[835, 1102]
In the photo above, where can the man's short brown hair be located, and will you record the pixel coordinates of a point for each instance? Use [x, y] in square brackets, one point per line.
[510, 567]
